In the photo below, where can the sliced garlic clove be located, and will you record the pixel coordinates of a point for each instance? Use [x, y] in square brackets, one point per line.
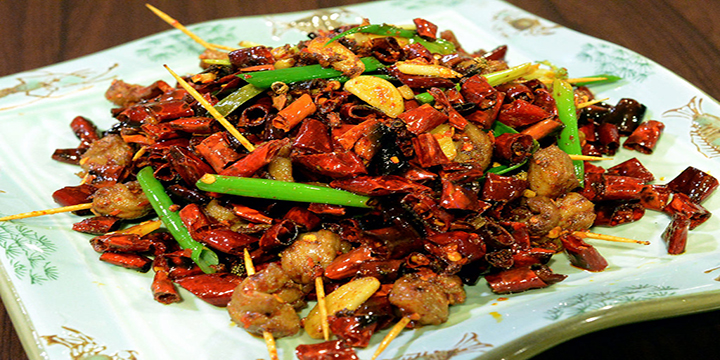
[377, 92]
[349, 296]
[426, 70]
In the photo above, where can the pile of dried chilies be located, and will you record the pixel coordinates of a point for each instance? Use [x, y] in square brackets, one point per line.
[387, 162]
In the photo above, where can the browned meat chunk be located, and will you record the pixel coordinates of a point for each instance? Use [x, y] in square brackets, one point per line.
[309, 255]
[264, 302]
[124, 94]
[475, 146]
[544, 215]
[426, 300]
[125, 201]
[107, 157]
[576, 212]
[551, 172]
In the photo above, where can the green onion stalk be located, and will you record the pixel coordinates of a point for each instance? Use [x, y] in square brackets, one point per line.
[205, 258]
[264, 79]
[240, 96]
[437, 46]
[280, 190]
[494, 79]
[569, 138]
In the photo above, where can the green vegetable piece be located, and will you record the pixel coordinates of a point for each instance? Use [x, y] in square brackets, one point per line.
[507, 75]
[569, 139]
[384, 29]
[237, 98]
[224, 62]
[494, 79]
[437, 46]
[424, 98]
[343, 79]
[280, 190]
[161, 203]
[499, 128]
[503, 169]
[263, 79]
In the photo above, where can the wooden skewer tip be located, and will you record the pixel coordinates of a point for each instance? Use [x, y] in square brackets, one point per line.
[176, 24]
[589, 158]
[320, 291]
[394, 332]
[47, 212]
[590, 235]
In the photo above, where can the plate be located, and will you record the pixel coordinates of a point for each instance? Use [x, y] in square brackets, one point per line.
[67, 304]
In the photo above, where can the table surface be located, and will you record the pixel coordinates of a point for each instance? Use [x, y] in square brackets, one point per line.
[682, 36]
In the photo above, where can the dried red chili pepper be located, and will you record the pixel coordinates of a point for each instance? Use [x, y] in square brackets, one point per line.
[614, 214]
[695, 183]
[129, 261]
[131, 243]
[521, 113]
[681, 204]
[336, 349]
[428, 151]
[216, 151]
[520, 279]
[655, 197]
[582, 254]
[503, 188]
[313, 136]
[215, 289]
[422, 119]
[513, 148]
[163, 288]
[632, 168]
[97, 225]
[645, 137]
[675, 235]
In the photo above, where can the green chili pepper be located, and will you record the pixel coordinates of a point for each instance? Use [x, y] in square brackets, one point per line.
[280, 190]
[263, 79]
[569, 138]
[237, 98]
[161, 203]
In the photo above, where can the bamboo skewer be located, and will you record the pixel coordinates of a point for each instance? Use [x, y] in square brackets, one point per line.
[174, 23]
[591, 235]
[394, 332]
[588, 157]
[223, 47]
[269, 339]
[141, 229]
[216, 114]
[47, 212]
[586, 79]
[320, 291]
[591, 102]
